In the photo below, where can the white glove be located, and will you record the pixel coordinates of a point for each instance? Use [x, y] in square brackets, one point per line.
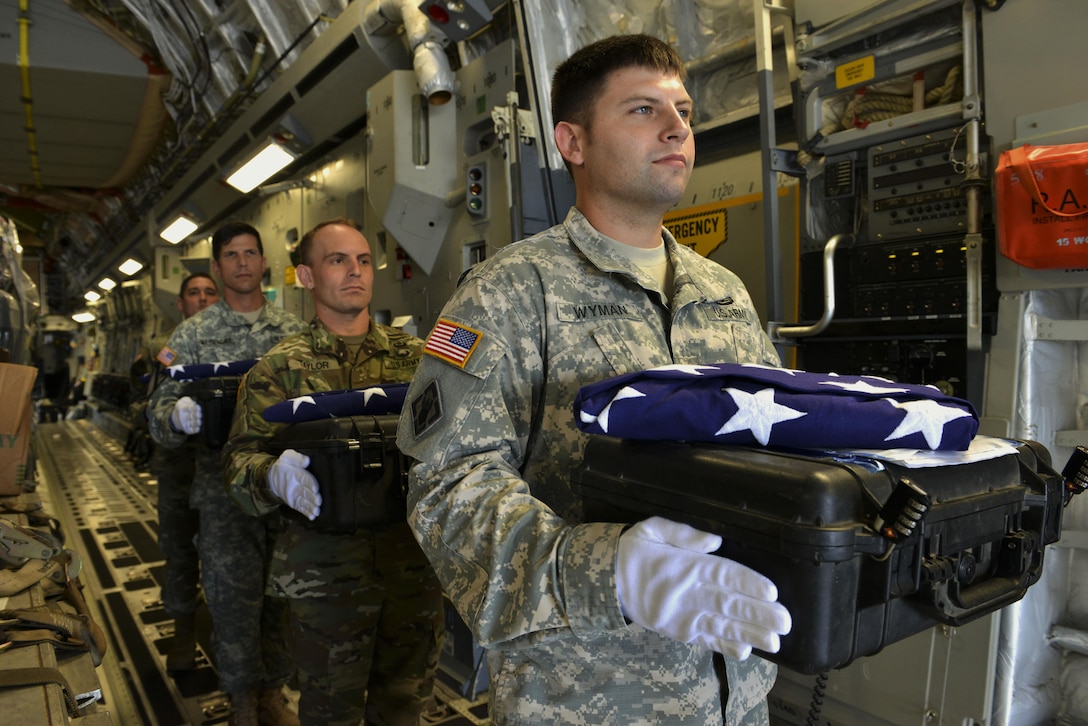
[668, 582]
[291, 483]
[186, 416]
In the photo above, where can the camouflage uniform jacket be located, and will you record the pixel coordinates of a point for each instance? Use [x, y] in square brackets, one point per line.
[311, 362]
[215, 334]
[491, 500]
[164, 457]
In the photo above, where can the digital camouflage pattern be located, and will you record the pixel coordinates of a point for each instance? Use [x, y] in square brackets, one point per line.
[248, 629]
[174, 471]
[491, 500]
[366, 607]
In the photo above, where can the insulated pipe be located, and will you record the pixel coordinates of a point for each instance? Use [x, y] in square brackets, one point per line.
[432, 67]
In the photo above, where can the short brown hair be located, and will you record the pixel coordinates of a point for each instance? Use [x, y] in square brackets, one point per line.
[307, 241]
[578, 79]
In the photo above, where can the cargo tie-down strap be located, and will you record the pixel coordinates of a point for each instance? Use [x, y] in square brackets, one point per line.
[375, 400]
[752, 405]
[21, 677]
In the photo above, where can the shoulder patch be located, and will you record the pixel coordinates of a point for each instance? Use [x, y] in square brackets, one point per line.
[452, 343]
[166, 356]
[426, 409]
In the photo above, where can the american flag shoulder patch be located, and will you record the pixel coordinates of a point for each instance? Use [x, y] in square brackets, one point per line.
[166, 356]
[452, 342]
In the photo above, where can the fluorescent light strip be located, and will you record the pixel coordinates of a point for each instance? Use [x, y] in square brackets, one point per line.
[178, 230]
[264, 164]
[130, 266]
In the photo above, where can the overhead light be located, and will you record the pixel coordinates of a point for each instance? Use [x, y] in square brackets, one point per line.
[130, 266]
[91, 296]
[268, 160]
[182, 226]
[83, 317]
[107, 283]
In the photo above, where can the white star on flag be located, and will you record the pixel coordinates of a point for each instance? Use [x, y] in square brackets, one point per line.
[862, 387]
[369, 393]
[758, 413]
[925, 417]
[180, 368]
[220, 364]
[297, 402]
[602, 418]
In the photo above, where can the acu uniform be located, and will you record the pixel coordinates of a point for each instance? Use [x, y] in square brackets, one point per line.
[489, 418]
[248, 629]
[179, 523]
[367, 617]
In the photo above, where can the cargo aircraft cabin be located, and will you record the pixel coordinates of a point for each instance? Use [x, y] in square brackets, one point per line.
[445, 362]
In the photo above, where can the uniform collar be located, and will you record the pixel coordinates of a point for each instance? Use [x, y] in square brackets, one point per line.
[326, 342]
[227, 310]
[687, 264]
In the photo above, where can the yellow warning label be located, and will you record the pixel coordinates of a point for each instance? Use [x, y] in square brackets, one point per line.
[703, 228]
[854, 72]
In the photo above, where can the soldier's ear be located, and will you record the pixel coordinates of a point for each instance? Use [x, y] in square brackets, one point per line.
[305, 275]
[570, 141]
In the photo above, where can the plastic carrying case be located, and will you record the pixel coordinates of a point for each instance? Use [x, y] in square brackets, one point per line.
[361, 474]
[825, 532]
[218, 397]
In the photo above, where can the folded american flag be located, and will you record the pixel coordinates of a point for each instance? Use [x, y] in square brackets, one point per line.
[196, 371]
[754, 405]
[369, 401]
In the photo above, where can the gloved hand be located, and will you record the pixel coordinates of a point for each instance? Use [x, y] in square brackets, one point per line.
[668, 582]
[186, 416]
[292, 484]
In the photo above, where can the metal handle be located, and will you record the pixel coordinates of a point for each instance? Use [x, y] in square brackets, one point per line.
[778, 331]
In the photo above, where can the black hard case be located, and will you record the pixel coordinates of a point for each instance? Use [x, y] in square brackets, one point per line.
[218, 397]
[805, 522]
[362, 475]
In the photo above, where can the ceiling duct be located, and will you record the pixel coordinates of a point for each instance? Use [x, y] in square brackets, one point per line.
[325, 93]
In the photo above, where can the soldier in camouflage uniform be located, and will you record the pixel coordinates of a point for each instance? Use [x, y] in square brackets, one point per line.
[174, 470]
[366, 607]
[587, 622]
[248, 629]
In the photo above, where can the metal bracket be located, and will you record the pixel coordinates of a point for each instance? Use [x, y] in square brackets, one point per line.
[503, 116]
[785, 161]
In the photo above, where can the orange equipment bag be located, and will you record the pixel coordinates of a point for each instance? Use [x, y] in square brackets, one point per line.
[1042, 205]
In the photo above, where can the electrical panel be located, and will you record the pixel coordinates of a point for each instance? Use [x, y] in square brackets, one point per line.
[887, 130]
[916, 187]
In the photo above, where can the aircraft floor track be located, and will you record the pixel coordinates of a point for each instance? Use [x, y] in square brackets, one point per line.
[107, 512]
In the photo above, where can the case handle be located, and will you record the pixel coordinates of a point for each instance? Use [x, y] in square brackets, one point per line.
[1021, 562]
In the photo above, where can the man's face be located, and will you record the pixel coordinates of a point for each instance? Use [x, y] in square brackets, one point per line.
[199, 293]
[639, 148]
[340, 273]
[240, 265]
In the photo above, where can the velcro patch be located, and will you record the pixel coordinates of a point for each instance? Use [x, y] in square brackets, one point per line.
[452, 343]
[426, 409]
[166, 356]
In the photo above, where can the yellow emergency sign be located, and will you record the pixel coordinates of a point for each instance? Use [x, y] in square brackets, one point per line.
[703, 228]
